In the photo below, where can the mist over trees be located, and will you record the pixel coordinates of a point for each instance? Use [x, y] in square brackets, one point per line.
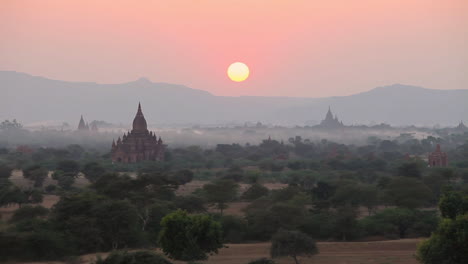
[295, 189]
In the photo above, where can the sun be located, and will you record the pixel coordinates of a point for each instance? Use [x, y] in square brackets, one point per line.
[238, 72]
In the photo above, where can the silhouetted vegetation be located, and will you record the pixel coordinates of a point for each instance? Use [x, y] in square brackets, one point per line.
[324, 190]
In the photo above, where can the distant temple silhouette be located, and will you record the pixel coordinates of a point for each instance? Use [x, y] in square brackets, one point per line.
[437, 158]
[461, 127]
[82, 126]
[330, 122]
[139, 144]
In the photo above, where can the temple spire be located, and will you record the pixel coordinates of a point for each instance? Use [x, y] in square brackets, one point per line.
[329, 115]
[139, 123]
[82, 124]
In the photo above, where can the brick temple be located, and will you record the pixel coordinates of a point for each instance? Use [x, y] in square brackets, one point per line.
[438, 158]
[138, 145]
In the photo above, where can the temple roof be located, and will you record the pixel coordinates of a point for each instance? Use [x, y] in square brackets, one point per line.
[139, 122]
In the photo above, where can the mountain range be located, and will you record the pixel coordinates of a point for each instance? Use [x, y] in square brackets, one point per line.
[36, 99]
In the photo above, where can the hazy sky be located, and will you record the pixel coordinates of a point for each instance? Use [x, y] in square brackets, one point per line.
[293, 48]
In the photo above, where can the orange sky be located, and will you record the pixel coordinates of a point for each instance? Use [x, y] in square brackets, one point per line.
[293, 48]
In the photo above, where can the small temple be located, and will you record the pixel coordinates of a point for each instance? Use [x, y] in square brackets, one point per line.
[82, 126]
[331, 122]
[438, 158]
[461, 127]
[140, 144]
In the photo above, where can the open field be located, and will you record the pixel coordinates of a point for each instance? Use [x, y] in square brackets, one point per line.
[376, 252]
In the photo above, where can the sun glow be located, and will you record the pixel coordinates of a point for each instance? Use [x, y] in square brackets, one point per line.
[238, 72]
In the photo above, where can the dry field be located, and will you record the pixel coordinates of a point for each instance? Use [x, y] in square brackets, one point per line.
[377, 252]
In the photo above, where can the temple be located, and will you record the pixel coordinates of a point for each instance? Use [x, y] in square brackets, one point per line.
[330, 122]
[139, 144]
[82, 126]
[461, 127]
[437, 158]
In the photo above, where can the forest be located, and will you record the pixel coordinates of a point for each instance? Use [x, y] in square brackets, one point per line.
[300, 190]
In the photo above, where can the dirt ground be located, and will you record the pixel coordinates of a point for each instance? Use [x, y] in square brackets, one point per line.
[377, 252]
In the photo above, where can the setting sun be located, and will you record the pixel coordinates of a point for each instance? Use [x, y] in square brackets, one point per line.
[238, 72]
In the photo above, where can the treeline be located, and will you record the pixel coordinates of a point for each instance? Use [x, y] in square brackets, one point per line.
[118, 211]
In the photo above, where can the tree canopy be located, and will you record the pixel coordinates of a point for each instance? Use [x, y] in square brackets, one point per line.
[189, 237]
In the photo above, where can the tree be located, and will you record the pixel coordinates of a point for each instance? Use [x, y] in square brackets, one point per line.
[189, 237]
[64, 180]
[407, 192]
[292, 244]
[10, 194]
[322, 194]
[93, 170]
[255, 191]
[96, 222]
[234, 228]
[69, 167]
[37, 174]
[190, 203]
[183, 176]
[369, 197]
[345, 222]
[447, 244]
[410, 169]
[447, 173]
[151, 216]
[398, 219]
[37, 245]
[136, 257]
[220, 193]
[453, 204]
[118, 226]
[436, 183]
[347, 193]
[29, 212]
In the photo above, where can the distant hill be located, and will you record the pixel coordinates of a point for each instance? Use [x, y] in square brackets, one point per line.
[32, 99]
